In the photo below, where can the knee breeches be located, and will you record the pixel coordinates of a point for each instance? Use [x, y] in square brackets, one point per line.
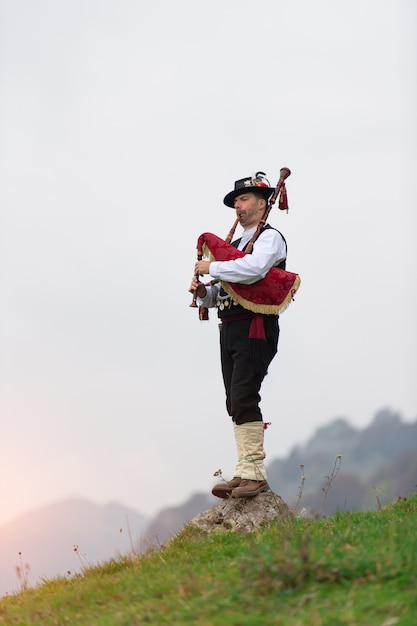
[244, 366]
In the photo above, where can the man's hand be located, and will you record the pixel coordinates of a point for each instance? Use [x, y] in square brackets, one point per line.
[195, 285]
[202, 267]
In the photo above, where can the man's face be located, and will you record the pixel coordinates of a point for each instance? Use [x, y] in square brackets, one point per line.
[249, 209]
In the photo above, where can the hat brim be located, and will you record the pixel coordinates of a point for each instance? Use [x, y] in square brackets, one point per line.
[229, 199]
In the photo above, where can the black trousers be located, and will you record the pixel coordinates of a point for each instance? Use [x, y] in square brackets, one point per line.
[245, 364]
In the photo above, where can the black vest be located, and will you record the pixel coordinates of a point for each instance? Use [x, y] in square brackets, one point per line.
[225, 304]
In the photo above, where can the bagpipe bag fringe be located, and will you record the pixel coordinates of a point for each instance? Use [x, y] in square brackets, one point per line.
[271, 295]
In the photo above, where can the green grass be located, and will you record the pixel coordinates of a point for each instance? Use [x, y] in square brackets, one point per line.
[349, 569]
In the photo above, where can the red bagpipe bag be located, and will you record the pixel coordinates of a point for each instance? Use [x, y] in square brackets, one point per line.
[271, 295]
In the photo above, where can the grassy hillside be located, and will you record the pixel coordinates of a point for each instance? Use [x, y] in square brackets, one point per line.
[348, 569]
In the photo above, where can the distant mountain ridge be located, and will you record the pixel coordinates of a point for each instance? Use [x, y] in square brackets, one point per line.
[380, 460]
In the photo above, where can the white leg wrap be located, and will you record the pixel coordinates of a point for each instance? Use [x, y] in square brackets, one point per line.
[238, 468]
[251, 459]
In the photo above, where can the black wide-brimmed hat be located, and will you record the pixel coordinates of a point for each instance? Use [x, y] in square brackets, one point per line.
[256, 183]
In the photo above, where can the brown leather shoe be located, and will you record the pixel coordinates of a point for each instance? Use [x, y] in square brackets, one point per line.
[249, 488]
[223, 490]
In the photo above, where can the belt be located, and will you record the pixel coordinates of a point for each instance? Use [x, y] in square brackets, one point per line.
[236, 318]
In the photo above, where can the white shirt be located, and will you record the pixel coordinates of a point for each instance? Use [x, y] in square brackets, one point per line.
[268, 250]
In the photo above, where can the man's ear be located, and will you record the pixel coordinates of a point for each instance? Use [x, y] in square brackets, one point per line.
[263, 204]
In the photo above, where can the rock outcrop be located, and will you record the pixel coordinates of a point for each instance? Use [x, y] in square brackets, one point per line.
[245, 515]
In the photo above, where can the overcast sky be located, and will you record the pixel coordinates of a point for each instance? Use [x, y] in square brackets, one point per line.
[123, 125]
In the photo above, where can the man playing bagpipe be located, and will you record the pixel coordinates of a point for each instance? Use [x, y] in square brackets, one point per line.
[250, 289]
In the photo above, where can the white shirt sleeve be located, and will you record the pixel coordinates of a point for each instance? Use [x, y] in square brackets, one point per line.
[268, 250]
[211, 296]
